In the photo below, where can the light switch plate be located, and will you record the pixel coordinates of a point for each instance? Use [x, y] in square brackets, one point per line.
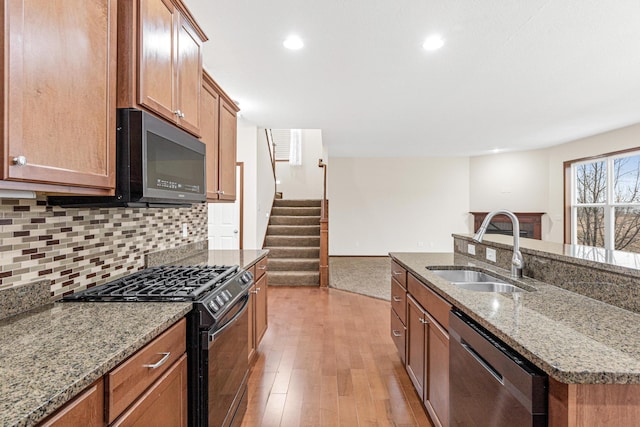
[471, 249]
[491, 254]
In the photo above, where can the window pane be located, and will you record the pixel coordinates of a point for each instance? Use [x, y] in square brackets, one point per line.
[627, 229]
[626, 174]
[591, 182]
[590, 226]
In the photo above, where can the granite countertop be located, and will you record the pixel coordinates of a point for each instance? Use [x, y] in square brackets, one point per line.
[52, 353]
[573, 338]
[243, 257]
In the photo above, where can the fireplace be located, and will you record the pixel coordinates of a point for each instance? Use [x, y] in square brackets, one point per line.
[530, 224]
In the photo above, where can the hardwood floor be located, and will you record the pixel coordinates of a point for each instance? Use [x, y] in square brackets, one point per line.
[327, 360]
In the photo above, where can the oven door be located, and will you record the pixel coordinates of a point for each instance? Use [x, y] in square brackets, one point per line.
[227, 366]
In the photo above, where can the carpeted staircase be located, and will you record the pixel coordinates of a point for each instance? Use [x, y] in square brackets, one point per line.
[293, 240]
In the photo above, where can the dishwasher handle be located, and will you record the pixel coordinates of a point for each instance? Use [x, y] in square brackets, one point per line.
[495, 374]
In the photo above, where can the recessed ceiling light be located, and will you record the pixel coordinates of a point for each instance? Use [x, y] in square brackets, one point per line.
[434, 42]
[293, 42]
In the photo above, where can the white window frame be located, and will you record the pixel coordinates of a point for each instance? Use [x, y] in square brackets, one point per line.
[609, 205]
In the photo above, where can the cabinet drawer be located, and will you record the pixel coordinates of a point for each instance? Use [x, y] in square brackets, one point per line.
[399, 301]
[261, 267]
[398, 334]
[133, 376]
[399, 273]
[436, 306]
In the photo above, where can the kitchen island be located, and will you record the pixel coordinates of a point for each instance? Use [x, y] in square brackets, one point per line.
[590, 349]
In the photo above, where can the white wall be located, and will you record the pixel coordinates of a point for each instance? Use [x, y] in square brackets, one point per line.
[258, 185]
[533, 181]
[266, 188]
[378, 205]
[304, 181]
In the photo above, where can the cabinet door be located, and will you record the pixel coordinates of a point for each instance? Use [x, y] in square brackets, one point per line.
[227, 153]
[189, 76]
[60, 103]
[210, 107]
[252, 317]
[156, 56]
[261, 308]
[86, 409]
[164, 403]
[437, 396]
[416, 345]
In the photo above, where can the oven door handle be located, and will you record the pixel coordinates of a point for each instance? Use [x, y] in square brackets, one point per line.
[234, 319]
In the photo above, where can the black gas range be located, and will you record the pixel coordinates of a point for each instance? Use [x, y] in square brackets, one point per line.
[217, 338]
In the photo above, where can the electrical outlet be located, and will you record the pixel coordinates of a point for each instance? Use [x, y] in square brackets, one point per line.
[185, 231]
[491, 254]
[471, 249]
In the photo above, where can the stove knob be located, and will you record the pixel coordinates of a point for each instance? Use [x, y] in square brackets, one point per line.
[213, 306]
[219, 301]
[225, 297]
[228, 294]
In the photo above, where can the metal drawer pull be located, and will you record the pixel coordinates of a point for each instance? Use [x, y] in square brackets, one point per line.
[257, 289]
[396, 333]
[396, 273]
[423, 321]
[397, 299]
[165, 357]
[262, 267]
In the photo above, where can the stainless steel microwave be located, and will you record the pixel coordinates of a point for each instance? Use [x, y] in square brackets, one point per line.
[157, 164]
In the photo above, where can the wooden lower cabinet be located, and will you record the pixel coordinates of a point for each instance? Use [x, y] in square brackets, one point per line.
[416, 344]
[427, 361]
[261, 308]
[87, 409]
[147, 389]
[165, 403]
[257, 306]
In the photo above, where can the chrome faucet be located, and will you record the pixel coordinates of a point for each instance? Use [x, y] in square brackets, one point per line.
[517, 262]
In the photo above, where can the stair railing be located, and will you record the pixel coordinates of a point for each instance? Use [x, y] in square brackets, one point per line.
[324, 230]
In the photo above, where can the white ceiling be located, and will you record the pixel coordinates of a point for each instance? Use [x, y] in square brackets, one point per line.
[512, 75]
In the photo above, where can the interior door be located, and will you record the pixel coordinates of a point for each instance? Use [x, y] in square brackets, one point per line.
[224, 222]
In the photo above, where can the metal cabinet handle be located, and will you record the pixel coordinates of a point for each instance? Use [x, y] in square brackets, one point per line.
[397, 299]
[165, 357]
[220, 192]
[254, 292]
[257, 290]
[262, 267]
[179, 113]
[423, 321]
[396, 333]
[396, 273]
[19, 161]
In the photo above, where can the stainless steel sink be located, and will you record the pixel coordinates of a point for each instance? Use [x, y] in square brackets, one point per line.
[456, 276]
[476, 281]
[488, 287]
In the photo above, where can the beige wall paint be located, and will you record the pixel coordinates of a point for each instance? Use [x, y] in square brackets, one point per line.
[304, 181]
[378, 205]
[533, 180]
[258, 183]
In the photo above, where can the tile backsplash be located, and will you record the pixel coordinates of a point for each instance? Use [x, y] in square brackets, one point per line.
[76, 247]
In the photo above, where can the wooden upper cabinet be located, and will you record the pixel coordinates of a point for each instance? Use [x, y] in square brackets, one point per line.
[59, 95]
[228, 134]
[219, 133]
[160, 60]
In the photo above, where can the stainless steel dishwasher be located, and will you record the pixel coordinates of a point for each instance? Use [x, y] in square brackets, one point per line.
[490, 384]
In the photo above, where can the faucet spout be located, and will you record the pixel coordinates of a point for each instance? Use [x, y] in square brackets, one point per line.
[517, 262]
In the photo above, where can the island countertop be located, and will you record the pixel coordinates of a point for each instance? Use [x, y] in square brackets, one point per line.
[573, 338]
